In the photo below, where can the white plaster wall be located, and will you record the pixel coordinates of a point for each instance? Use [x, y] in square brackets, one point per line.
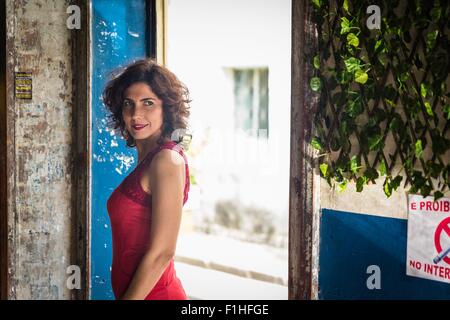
[206, 36]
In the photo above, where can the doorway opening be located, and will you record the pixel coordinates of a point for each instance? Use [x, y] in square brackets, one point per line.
[235, 58]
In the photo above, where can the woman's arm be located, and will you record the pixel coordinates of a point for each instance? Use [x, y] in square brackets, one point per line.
[167, 187]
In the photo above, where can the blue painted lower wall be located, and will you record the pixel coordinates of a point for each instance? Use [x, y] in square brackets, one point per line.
[350, 242]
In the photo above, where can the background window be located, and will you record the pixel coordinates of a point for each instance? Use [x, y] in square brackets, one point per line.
[251, 100]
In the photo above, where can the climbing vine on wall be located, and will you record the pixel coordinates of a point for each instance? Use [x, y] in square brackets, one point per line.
[384, 106]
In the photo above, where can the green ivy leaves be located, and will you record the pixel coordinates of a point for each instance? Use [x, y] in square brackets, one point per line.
[361, 76]
[345, 5]
[424, 89]
[317, 3]
[446, 111]
[382, 168]
[352, 64]
[355, 67]
[418, 148]
[316, 62]
[354, 107]
[315, 84]
[345, 25]
[431, 39]
[428, 108]
[352, 40]
[376, 142]
[316, 144]
[355, 165]
[324, 169]
[390, 185]
[402, 122]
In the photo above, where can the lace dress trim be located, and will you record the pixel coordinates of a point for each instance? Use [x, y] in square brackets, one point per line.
[131, 186]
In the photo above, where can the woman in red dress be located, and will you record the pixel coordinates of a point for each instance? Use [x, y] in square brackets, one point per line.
[149, 105]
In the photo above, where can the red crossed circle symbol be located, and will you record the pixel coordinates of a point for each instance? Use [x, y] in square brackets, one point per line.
[444, 226]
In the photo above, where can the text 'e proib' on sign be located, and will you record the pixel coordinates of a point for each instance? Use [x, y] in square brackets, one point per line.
[23, 83]
[428, 252]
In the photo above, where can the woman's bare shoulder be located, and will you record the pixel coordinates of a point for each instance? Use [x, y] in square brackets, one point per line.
[168, 158]
[166, 162]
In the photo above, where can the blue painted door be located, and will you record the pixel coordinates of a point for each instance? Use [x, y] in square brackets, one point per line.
[118, 38]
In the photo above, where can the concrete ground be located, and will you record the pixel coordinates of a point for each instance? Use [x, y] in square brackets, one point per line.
[204, 284]
[216, 267]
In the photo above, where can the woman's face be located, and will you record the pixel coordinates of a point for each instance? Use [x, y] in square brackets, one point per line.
[142, 111]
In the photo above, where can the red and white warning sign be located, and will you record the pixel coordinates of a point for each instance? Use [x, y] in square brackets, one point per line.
[428, 253]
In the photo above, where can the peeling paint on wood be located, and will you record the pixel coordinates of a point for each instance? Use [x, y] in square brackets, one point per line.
[301, 199]
[39, 150]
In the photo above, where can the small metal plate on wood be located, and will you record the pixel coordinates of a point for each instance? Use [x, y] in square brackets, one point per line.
[23, 85]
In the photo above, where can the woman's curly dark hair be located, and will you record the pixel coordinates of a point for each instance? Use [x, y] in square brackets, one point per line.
[171, 91]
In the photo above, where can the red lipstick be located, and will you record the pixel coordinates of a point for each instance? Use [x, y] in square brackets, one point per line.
[139, 126]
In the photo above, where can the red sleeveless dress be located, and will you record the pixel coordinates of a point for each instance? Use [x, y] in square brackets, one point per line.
[130, 210]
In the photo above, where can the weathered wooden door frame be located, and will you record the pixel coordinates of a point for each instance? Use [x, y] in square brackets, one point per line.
[3, 160]
[80, 238]
[302, 198]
